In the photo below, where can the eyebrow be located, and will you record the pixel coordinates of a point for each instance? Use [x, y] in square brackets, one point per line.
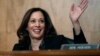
[35, 18]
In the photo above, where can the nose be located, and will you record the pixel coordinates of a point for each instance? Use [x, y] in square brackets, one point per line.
[37, 24]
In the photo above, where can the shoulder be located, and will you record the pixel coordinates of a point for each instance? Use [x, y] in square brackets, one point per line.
[65, 40]
[19, 46]
[63, 37]
[59, 39]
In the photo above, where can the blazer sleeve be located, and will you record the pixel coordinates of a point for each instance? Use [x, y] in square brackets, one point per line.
[79, 39]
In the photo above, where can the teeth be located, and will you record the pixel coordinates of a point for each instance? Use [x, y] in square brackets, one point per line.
[37, 30]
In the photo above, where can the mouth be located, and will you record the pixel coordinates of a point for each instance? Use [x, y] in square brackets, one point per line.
[37, 31]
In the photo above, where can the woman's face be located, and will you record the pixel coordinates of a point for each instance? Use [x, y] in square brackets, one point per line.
[36, 25]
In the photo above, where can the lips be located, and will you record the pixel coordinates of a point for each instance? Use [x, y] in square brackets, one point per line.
[37, 31]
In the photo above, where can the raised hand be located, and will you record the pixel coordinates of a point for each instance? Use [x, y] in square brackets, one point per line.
[75, 13]
[77, 10]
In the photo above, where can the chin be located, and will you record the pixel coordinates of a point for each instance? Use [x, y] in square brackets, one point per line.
[37, 36]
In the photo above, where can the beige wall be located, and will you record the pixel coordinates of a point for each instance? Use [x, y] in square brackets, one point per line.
[12, 11]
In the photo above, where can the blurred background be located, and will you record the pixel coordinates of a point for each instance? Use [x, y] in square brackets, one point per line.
[12, 12]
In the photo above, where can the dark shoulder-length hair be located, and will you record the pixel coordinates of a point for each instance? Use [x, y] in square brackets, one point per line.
[23, 34]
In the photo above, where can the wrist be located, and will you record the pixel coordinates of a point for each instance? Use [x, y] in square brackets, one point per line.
[76, 23]
[76, 26]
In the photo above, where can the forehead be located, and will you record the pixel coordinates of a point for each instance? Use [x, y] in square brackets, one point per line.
[37, 14]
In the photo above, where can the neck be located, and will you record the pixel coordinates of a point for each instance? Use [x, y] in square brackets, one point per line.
[35, 43]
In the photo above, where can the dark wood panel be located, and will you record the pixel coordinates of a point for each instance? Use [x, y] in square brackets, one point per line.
[52, 53]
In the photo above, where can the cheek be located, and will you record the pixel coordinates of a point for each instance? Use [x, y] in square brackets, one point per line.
[43, 26]
[30, 27]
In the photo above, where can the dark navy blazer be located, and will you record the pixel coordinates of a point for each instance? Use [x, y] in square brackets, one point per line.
[54, 42]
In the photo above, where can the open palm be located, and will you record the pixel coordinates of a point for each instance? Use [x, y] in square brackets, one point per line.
[77, 10]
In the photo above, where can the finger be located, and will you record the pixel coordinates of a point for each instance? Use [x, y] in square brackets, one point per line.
[81, 1]
[84, 8]
[84, 5]
[72, 7]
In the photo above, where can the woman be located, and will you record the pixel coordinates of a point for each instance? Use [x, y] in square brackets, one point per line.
[37, 32]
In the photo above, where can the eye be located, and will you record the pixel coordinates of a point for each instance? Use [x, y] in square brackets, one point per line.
[33, 21]
[42, 21]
